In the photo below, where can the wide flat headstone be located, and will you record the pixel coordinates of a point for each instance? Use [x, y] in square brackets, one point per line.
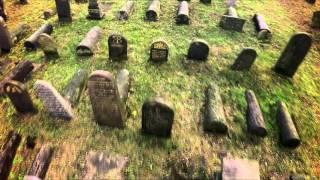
[94, 10]
[88, 45]
[2, 10]
[118, 46]
[231, 21]
[48, 46]
[126, 10]
[183, 13]
[159, 51]
[55, 104]
[245, 60]
[198, 50]
[32, 42]
[240, 169]
[63, 10]
[107, 106]
[19, 97]
[5, 38]
[157, 117]
[153, 11]
[316, 19]
[294, 54]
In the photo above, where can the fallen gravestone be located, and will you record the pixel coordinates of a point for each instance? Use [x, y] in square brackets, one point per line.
[159, 51]
[157, 117]
[108, 109]
[262, 28]
[56, 105]
[126, 10]
[19, 97]
[183, 13]
[289, 136]
[47, 14]
[118, 47]
[231, 21]
[240, 169]
[214, 117]
[5, 38]
[88, 45]
[198, 50]
[2, 10]
[316, 19]
[48, 46]
[153, 11]
[94, 10]
[75, 87]
[63, 10]
[255, 120]
[19, 32]
[294, 54]
[245, 60]
[32, 42]
[123, 83]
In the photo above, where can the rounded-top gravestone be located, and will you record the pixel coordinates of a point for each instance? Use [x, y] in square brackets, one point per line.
[159, 51]
[245, 59]
[118, 46]
[198, 50]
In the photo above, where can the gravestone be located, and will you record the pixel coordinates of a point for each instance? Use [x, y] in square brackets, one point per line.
[88, 45]
[5, 38]
[153, 11]
[118, 46]
[157, 117]
[316, 19]
[198, 50]
[231, 21]
[48, 46]
[240, 169]
[107, 106]
[2, 10]
[32, 42]
[206, 1]
[183, 13]
[159, 51]
[55, 104]
[123, 83]
[19, 97]
[262, 28]
[63, 10]
[94, 10]
[126, 10]
[245, 60]
[231, 3]
[294, 54]
[47, 14]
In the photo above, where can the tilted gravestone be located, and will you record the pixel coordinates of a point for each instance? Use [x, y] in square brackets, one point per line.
[262, 28]
[118, 47]
[316, 19]
[32, 42]
[88, 45]
[55, 104]
[108, 109]
[63, 10]
[5, 38]
[94, 10]
[2, 10]
[245, 60]
[198, 50]
[294, 54]
[157, 117]
[153, 11]
[126, 10]
[159, 51]
[48, 46]
[240, 169]
[231, 21]
[19, 97]
[183, 13]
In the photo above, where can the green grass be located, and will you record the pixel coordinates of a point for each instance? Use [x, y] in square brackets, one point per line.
[180, 83]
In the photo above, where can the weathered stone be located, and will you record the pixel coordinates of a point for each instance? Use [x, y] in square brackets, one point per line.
[5, 38]
[240, 169]
[198, 50]
[153, 11]
[88, 45]
[159, 51]
[316, 19]
[19, 32]
[94, 10]
[63, 10]
[183, 13]
[123, 84]
[294, 54]
[55, 104]
[48, 46]
[231, 21]
[107, 106]
[47, 14]
[262, 28]
[100, 165]
[19, 97]
[32, 42]
[157, 117]
[245, 60]
[288, 134]
[118, 47]
[126, 10]
[2, 10]
[75, 87]
[214, 117]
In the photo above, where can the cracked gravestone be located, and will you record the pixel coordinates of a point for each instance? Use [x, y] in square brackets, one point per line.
[159, 51]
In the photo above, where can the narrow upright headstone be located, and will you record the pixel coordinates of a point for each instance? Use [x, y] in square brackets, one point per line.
[231, 21]
[183, 13]
[32, 42]
[107, 106]
[294, 54]
[153, 11]
[94, 10]
[63, 10]
[240, 169]
[55, 104]
[2, 10]
[316, 19]
[157, 117]
[245, 60]
[118, 47]
[5, 38]
[19, 97]
[198, 50]
[126, 10]
[159, 51]
[262, 28]
[88, 45]
[48, 46]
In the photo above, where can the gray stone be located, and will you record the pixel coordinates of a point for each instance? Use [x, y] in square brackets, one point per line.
[5, 38]
[94, 10]
[32, 42]
[183, 13]
[245, 60]
[123, 84]
[63, 10]
[126, 10]
[240, 169]
[55, 104]
[88, 45]
[316, 19]
[118, 47]
[199, 50]
[231, 21]
[153, 11]
[159, 51]
[48, 46]
[262, 28]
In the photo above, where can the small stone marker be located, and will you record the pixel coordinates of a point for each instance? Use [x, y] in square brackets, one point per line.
[159, 51]
[153, 11]
[245, 60]
[262, 28]
[198, 50]
[294, 54]
[118, 47]
[48, 46]
[107, 106]
[63, 10]
[316, 19]
[19, 97]
[123, 84]
[88, 45]
[126, 10]
[94, 10]
[288, 134]
[157, 117]
[2, 10]
[240, 169]
[47, 14]
[214, 117]
[32, 42]
[183, 13]
[56, 105]
[231, 21]
[5, 38]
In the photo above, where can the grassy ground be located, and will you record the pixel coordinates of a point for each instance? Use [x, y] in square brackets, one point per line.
[180, 83]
